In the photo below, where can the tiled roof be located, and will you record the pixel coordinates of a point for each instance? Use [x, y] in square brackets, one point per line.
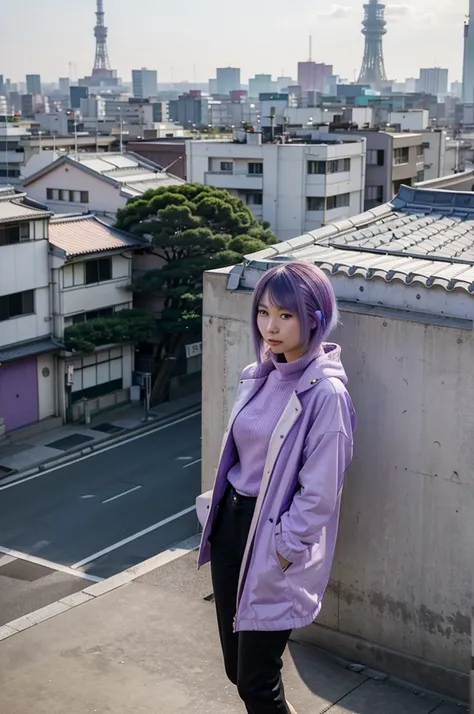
[422, 235]
[127, 170]
[20, 350]
[87, 234]
[13, 207]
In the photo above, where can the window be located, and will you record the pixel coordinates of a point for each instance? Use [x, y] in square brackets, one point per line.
[401, 156]
[339, 165]
[316, 167]
[98, 271]
[63, 194]
[314, 203]
[419, 151]
[17, 304]
[256, 168]
[14, 233]
[425, 145]
[340, 201]
[97, 374]
[375, 157]
[227, 166]
[254, 199]
[374, 193]
[92, 315]
[420, 176]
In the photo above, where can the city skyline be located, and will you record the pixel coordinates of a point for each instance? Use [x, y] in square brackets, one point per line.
[164, 40]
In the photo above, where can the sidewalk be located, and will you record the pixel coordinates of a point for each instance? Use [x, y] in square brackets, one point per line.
[50, 446]
[145, 642]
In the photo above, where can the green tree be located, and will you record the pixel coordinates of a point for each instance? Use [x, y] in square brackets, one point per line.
[192, 228]
[125, 326]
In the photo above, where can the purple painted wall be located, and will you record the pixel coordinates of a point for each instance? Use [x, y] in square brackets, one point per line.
[19, 393]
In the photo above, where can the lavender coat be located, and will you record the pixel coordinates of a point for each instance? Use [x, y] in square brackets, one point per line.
[297, 509]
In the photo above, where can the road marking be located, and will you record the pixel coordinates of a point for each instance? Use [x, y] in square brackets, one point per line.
[119, 495]
[20, 481]
[49, 564]
[186, 466]
[133, 537]
[184, 458]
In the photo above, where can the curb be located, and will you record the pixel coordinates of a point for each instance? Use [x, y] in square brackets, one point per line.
[99, 446]
[97, 589]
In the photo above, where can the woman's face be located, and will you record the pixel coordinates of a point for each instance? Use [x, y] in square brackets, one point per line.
[280, 329]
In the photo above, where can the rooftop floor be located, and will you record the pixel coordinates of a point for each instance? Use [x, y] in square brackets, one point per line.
[151, 645]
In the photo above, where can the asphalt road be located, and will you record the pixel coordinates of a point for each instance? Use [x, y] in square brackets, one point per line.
[97, 516]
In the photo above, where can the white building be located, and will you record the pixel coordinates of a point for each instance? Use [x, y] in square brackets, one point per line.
[28, 374]
[412, 120]
[228, 79]
[227, 113]
[404, 277]
[145, 83]
[98, 184]
[295, 187]
[434, 80]
[91, 277]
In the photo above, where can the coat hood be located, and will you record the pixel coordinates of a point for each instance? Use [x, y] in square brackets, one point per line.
[328, 362]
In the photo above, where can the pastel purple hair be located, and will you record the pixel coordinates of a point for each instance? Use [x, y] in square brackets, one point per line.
[302, 289]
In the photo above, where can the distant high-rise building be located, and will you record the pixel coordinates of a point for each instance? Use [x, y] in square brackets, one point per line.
[228, 79]
[312, 76]
[64, 84]
[28, 105]
[433, 80]
[411, 85]
[468, 60]
[33, 84]
[456, 89]
[374, 28]
[145, 83]
[3, 90]
[213, 86]
[261, 84]
[76, 94]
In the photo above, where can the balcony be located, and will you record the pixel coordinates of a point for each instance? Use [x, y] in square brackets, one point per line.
[12, 157]
[234, 181]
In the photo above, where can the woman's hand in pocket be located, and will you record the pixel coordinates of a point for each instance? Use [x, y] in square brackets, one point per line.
[283, 561]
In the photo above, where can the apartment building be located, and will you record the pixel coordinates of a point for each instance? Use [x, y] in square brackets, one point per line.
[393, 160]
[295, 186]
[28, 350]
[91, 274]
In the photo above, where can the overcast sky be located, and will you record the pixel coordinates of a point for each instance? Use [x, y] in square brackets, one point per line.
[187, 39]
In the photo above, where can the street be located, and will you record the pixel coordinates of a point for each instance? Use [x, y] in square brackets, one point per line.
[91, 519]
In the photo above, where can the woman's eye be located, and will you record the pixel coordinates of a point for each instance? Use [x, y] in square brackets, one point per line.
[286, 315]
[262, 312]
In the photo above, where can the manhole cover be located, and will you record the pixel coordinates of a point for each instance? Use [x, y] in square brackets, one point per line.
[108, 428]
[69, 442]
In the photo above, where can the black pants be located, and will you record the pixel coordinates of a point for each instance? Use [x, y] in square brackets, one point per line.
[252, 659]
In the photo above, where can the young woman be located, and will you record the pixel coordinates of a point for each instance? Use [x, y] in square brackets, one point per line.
[272, 523]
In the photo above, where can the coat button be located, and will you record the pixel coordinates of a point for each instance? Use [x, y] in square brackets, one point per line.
[271, 520]
[313, 381]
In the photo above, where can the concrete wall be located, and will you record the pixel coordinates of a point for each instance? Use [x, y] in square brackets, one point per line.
[399, 596]
[46, 365]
